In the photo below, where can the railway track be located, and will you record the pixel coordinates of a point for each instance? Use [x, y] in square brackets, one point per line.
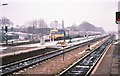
[85, 65]
[14, 67]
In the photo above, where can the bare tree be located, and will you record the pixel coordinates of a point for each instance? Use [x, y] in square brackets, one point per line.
[37, 25]
[5, 21]
[42, 23]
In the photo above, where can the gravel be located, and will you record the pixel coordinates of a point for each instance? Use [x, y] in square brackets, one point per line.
[56, 65]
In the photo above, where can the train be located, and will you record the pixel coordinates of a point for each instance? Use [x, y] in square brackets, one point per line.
[66, 34]
[57, 33]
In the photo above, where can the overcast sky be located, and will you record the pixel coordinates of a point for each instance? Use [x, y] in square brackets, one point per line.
[101, 13]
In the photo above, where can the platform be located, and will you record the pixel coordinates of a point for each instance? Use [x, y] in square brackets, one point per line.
[11, 50]
[110, 63]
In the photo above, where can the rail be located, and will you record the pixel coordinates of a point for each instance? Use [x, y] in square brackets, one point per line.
[86, 64]
[11, 68]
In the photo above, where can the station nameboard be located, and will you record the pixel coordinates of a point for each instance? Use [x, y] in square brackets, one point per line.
[117, 17]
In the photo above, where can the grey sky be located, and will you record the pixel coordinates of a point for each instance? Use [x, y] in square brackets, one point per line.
[101, 13]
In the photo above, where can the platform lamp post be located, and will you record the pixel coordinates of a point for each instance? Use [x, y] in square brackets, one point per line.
[4, 4]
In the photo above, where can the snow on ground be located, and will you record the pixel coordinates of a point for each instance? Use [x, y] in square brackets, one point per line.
[53, 43]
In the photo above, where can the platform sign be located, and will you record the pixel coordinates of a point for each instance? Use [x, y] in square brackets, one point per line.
[118, 17]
